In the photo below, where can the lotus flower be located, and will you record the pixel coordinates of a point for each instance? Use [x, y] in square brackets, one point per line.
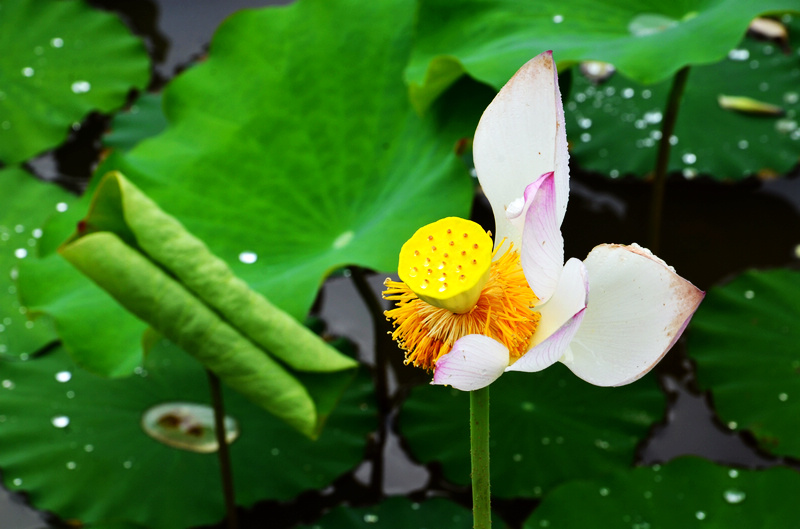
[470, 314]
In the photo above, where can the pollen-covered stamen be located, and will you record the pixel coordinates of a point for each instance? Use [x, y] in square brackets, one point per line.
[447, 263]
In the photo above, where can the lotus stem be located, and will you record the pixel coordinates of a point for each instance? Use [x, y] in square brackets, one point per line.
[222, 451]
[662, 159]
[479, 452]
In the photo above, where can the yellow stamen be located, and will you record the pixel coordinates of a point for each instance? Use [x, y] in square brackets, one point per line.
[503, 312]
[446, 263]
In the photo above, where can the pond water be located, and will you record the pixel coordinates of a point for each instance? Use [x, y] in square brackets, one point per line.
[711, 232]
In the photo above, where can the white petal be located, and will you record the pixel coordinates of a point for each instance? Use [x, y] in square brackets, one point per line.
[474, 362]
[521, 136]
[638, 307]
[542, 252]
[561, 318]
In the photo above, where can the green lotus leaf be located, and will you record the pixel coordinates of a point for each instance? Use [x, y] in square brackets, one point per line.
[143, 120]
[61, 59]
[166, 277]
[687, 493]
[25, 204]
[64, 432]
[399, 513]
[490, 40]
[283, 194]
[547, 428]
[615, 127]
[744, 339]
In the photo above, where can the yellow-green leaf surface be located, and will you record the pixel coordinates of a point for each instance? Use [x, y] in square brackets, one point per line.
[166, 277]
[60, 60]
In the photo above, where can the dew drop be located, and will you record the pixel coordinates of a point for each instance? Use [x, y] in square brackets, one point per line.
[17, 482]
[733, 425]
[61, 207]
[584, 123]
[733, 473]
[586, 137]
[517, 458]
[88, 448]
[739, 55]
[127, 464]
[60, 421]
[370, 518]
[8, 384]
[604, 491]
[653, 117]
[71, 465]
[783, 397]
[743, 144]
[248, 257]
[558, 19]
[63, 376]
[21, 253]
[700, 515]
[749, 294]
[28, 71]
[80, 87]
[734, 496]
[628, 93]
[528, 406]
[57, 42]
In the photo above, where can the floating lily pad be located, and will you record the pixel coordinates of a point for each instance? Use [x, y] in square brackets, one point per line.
[61, 425]
[615, 127]
[546, 428]
[490, 40]
[685, 493]
[744, 339]
[61, 59]
[400, 513]
[25, 203]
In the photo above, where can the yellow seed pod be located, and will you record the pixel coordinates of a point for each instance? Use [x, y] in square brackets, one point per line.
[447, 263]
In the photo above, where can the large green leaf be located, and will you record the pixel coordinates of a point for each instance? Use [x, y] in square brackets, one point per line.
[166, 277]
[61, 59]
[615, 127]
[66, 435]
[25, 204]
[746, 343]
[682, 494]
[648, 42]
[290, 163]
[547, 428]
[400, 513]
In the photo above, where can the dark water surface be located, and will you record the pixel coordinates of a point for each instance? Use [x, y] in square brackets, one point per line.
[711, 231]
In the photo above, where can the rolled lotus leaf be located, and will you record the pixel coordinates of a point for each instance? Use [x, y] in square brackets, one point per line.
[162, 274]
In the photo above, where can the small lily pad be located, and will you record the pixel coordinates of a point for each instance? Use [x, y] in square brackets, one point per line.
[687, 493]
[615, 126]
[490, 39]
[744, 339]
[25, 204]
[60, 424]
[546, 428]
[61, 59]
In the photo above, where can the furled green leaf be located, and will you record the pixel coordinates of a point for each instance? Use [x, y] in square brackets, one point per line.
[65, 433]
[615, 127]
[490, 40]
[400, 513]
[547, 428]
[25, 204]
[686, 493]
[746, 343]
[166, 277]
[61, 59]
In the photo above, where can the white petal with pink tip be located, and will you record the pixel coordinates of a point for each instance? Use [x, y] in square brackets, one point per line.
[474, 362]
[561, 318]
[521, 136]
[542, 253]
[637, 309]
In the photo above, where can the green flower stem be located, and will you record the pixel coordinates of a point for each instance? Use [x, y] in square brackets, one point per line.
[223, 452]
[479, 451]
[662, 160]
